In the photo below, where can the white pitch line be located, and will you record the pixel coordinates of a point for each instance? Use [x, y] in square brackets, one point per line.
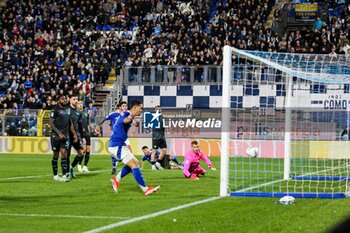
[30, 177]
[62, 216]
[137, 219]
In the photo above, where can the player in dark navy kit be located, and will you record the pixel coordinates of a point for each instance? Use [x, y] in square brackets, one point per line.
[117, 147]
[75, 116]
[158, 141]
[85, 123]
[61, 126]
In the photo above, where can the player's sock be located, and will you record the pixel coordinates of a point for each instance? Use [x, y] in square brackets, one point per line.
[139, 178]
[68, 163]
[64, 166]
[87, 157]
[114, 162]
[175, 160]
[125, 170]
[54, 163]
[76, 160]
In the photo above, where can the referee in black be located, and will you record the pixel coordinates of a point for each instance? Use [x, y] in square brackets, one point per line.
[75, 116]
[158, 141]
[60, 141]
[85, 123]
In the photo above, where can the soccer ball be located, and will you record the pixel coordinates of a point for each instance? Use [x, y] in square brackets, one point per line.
[252, 152]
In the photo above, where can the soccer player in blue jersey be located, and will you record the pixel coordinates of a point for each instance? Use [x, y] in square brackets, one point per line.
[121, 107]
[147, 156]
[117, 147]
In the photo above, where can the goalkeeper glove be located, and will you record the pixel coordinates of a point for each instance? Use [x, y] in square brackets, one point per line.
[194, 177]
[211, 166]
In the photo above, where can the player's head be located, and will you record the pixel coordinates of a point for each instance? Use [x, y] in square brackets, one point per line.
[136, 107]
[195, 146]
[123, 106]
[157, 108]
[145, 150]
[80, 105]
[73, 100]
[61, 100]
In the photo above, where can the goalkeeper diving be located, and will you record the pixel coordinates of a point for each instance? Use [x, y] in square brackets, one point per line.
[191, 168]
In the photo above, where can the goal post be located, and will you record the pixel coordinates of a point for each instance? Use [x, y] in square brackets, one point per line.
[292, 108]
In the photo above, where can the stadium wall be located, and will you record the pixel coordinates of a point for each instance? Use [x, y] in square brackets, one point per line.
[242, 96]
[179, 146]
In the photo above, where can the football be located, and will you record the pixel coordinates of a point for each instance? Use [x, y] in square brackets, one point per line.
[253, 152]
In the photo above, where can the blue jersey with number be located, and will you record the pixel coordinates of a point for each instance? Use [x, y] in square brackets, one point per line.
[148, 156]
[112, 117]
[119, 131]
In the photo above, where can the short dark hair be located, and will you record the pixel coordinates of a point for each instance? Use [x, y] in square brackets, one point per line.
[194, 143]
[73, 95]
[144, 147]
[121, 103]
[135, 103]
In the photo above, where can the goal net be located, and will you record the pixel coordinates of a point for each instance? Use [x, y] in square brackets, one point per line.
[284, 120]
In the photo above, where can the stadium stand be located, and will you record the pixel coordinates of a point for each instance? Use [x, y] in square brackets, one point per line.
[49, 47]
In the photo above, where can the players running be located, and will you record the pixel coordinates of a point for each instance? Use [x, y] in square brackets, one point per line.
[120, 151]
[192, 169]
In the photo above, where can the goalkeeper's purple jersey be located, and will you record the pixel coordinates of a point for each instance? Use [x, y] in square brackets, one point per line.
[192, 160]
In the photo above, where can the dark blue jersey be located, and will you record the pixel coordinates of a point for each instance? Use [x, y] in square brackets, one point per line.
[148, 156]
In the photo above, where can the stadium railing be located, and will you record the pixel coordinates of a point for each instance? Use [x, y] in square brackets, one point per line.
[171, 75]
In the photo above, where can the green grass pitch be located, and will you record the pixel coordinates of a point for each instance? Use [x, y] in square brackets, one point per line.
[40, 204]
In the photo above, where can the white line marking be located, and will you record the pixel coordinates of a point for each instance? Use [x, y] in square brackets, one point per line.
[30, 177]
[61, 216]
[132, 220]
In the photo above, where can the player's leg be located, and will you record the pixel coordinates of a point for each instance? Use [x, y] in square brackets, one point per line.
[155, 146]
[114, 165]
[86, 160]
[80, 167]
[163, 151]
[132, 162]
[199, 171]
[78, 146]
[64, 164]
[87, 153]
[173, 158]
[55, 146]
[116, 155]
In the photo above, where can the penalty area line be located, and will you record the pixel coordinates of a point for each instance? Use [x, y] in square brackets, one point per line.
[62, 216]
[148, 216]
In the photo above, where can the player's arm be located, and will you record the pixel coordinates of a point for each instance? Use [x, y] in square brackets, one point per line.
[142, 164]
[207, 161]
[187, 164]
[53, 127]
[136, 122]
[75, 136]
[128, 119]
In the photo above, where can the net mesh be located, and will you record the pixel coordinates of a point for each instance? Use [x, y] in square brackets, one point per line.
[318, 108]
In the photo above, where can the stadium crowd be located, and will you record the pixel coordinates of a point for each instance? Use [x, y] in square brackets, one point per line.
[60, 46]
